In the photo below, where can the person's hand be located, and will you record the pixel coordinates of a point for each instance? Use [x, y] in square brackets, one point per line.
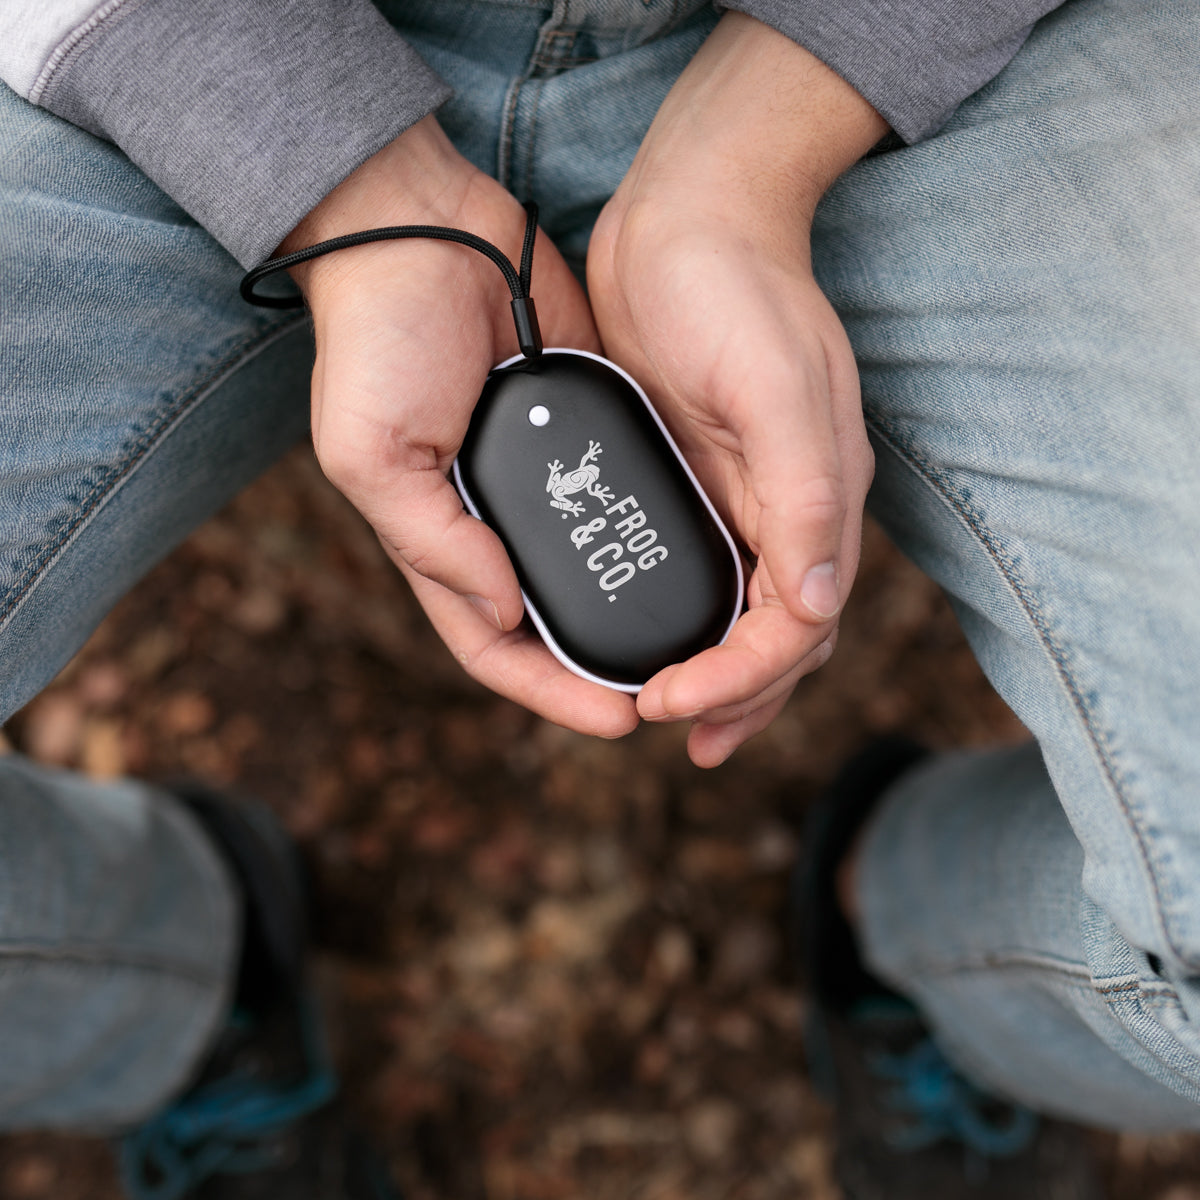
[701, 285]
[406, 333]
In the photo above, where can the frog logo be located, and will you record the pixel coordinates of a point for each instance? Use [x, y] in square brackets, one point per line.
[583, 479]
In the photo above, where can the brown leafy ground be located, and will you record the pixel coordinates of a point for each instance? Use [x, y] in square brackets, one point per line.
[557, 961]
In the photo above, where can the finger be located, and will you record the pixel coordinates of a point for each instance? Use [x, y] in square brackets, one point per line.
[763, 647]
[717, 735]
[419, 516]
[710, 745]
[390, 409]
[421, 523]
[731, 714]
[518, 666]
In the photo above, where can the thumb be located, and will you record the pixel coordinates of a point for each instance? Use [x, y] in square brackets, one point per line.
[796, 476]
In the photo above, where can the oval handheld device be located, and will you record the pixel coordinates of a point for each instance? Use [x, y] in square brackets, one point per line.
[623, 562]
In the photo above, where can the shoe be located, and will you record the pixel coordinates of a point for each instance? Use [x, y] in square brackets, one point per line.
[261, 1120]
[909, 1126]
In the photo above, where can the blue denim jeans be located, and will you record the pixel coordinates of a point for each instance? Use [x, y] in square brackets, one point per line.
[1023, 295]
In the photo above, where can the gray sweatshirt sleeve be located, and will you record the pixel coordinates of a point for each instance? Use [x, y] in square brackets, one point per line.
[246, 112]
[914, 60]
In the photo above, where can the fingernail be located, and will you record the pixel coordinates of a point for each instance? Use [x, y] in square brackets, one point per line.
[661, 714]
[820, 591]
[487, 610]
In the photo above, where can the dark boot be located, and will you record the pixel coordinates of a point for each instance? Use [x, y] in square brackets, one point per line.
[909, 1125]
[262, 1119]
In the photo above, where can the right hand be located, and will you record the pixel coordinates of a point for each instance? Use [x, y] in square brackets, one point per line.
[702, 286]
[406, 334]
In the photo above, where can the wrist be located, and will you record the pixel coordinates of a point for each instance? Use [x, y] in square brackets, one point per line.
[757, 117]
[417, 178]
[413, 175]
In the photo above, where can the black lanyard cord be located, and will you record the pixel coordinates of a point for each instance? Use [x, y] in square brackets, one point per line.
[529, 336]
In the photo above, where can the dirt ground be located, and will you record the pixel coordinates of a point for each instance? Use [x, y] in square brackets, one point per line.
[557, 962]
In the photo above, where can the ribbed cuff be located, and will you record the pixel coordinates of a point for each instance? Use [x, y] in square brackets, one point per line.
[916, 61]
[246, 114]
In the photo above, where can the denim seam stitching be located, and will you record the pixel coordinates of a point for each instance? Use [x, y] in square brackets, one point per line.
[1099, 738]
[564, 64]
[100, 957]
[1178, 1072]
[1008, 960]
[531, 162]
[549, 29]
[547, 57]
[1116, 990]
[1013, 958]
[132, 457]
[217, 885]
[507, 133]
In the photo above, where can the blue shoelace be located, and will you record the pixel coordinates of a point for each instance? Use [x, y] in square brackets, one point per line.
[935, 1102]
[226, 1126]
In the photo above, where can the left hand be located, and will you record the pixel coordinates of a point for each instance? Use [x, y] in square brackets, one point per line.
[700, 279]
[406, 332]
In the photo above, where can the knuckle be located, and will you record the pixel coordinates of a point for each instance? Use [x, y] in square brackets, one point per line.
[823, 499]
[361, 457]
[427, 547]
[868, 465]
[822, 654]
[341, 466]
[420, 558]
